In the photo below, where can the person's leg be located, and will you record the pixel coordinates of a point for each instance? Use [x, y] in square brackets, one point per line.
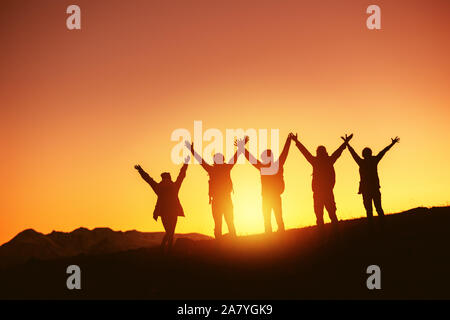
[165, 223]
[330, 205]
[217, 216]
[278, 211]
[172, 223]
[377, 203]
[367, 201]
[318, 209]
[267, 212]
[229, 217]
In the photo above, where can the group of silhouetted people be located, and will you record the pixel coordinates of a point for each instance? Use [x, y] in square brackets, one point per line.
[168, 205]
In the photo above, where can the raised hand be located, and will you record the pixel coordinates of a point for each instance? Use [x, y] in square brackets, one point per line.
[383, 152]
[293, 137]
[240, 143]
[347, 138]
[138, 167]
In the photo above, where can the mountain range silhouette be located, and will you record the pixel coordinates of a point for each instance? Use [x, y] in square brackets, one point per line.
[30, 244]
[411, 249]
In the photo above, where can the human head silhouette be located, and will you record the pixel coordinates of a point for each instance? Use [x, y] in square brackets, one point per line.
[267, 156]
[367, 153]
[165, 176]
[321, 152]
[219, 158]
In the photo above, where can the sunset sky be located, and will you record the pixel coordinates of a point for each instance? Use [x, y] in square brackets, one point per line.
[80, 108]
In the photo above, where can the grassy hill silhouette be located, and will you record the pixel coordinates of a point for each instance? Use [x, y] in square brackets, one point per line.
[411, 249]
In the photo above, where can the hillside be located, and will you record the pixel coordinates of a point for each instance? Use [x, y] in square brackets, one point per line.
[411, 249]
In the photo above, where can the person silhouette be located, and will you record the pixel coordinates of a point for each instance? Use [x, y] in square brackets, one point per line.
[168, 206]
[369, 185]
[272, 183]
[220, 188]
[324, 178]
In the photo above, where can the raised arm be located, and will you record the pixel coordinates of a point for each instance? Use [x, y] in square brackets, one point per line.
[303, 150]
[381, 154]
[182, 173]
[336, 154]
[355, 156]
[198, 157]
[240, 145]
[255, 162]
[339, 150]
[147, 178]
[284, 153]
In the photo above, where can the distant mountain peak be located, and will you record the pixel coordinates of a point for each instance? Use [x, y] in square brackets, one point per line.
[104, 229]
[27, 234]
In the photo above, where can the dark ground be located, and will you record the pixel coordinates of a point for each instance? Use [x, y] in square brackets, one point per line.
[411, 249]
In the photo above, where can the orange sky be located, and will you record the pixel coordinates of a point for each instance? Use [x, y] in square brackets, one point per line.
[80, 108]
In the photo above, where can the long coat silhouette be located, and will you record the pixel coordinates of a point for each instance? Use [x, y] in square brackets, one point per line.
[168, 205]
